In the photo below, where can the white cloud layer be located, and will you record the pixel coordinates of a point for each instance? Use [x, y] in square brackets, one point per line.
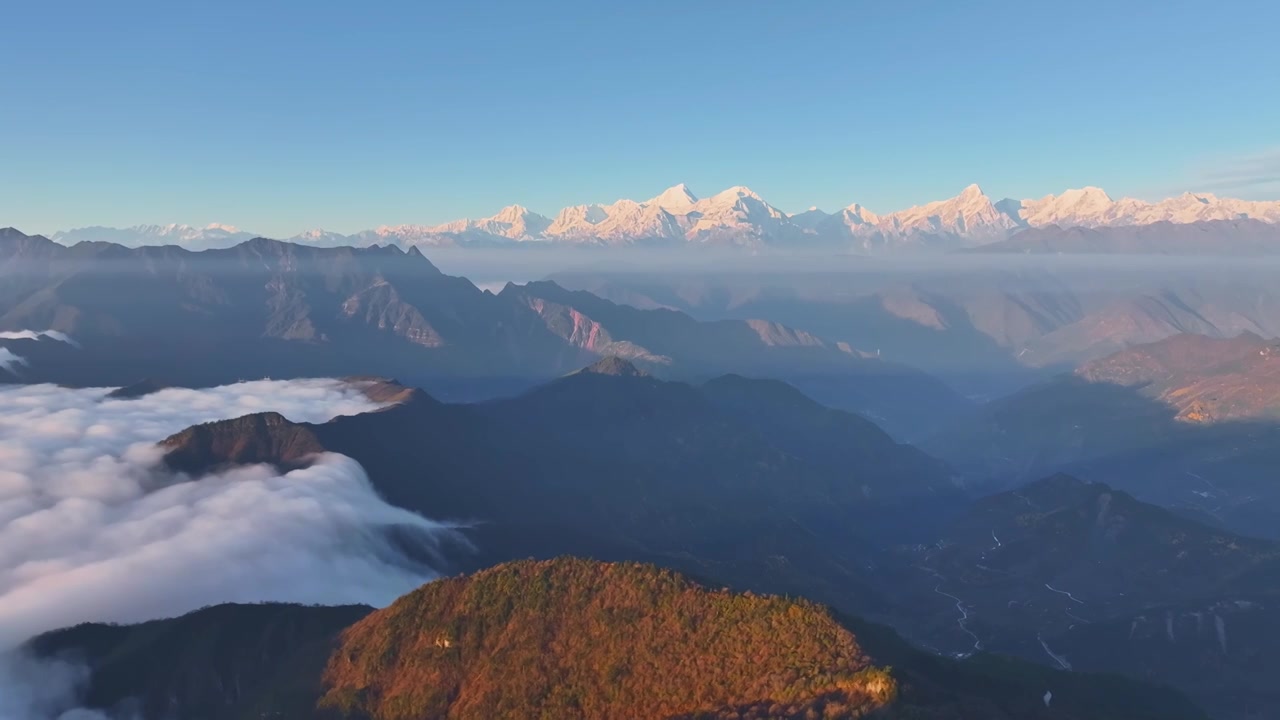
[92, 528]
[38, 334]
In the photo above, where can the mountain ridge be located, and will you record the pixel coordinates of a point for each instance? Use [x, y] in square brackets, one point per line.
[274, 308]
[739, 217]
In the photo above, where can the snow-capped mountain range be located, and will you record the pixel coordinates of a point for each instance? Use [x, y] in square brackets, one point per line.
[738, 217]
[212, 235]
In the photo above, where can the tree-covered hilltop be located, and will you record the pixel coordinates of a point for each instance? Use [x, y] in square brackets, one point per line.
[572, 638]
[568, 639]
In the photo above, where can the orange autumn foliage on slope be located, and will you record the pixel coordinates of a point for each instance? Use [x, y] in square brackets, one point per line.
[571, 638]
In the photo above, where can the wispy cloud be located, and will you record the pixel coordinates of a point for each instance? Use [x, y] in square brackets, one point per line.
[1255, 174]
[9, 360]
[38, 334]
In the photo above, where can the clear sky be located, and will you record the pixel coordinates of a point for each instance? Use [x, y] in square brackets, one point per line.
[280, 116]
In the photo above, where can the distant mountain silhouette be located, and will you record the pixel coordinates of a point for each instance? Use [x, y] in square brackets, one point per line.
[278, 309]
[1133, 398]
[1187, 422]
[613, 365]
[987, 325]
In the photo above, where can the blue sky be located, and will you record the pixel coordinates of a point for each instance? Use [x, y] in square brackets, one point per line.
[280, 116]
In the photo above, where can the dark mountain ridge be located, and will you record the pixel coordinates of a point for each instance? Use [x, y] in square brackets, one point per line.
[225, 661]
[622, 462]
[278, 309]
[266, 437]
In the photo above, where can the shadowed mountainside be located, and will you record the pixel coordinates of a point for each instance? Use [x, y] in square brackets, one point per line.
[621, 465]
[1188, 422]
[270, 308]
[222, 662]
[985, 324]
[1082, 576]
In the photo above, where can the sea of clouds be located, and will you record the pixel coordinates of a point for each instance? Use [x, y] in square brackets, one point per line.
[94, 528]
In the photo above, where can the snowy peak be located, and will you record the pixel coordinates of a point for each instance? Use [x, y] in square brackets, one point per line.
[319, 237]
[970, 215]
[629, 221]
[739, 217]
[577, 219]
[1087, 196]
[1092, 207]
[856, 214]
[513, 222]
[677, 199]
[740, 202]
[675, 214]
[1083, 206]
[213, 235]
[734, 194]
[512, 214]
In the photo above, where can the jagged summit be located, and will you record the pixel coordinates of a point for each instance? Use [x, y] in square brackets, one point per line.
[740, 217]
[858, 214]
[266, 437]
[512, 213]
[736, 192]
[194, 237]
[612, 365]
[677, 198]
